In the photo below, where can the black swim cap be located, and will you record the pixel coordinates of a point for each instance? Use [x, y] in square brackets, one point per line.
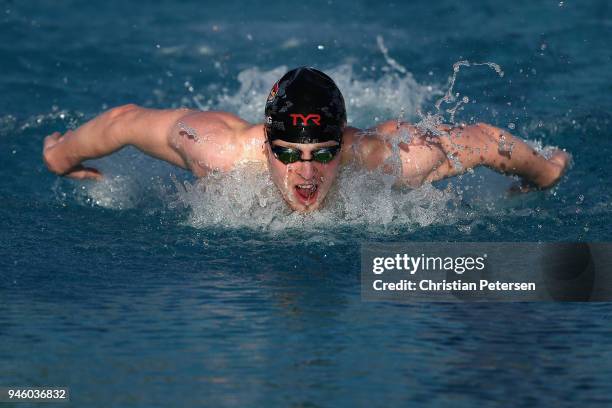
[305, 106]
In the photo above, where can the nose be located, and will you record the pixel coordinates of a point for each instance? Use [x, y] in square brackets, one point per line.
[306, 170]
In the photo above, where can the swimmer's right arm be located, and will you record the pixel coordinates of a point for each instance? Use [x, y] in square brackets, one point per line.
[146, 129]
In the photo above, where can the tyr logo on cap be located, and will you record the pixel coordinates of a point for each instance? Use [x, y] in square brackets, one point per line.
[316, 119]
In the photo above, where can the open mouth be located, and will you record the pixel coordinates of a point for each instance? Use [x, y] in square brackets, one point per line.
[306, 192]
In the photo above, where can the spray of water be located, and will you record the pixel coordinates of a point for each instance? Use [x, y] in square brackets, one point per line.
[430, 122]
[390, 61]
[246, 197]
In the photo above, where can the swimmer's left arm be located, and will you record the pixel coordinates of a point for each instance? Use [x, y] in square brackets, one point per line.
[426, 157]
[467, 147]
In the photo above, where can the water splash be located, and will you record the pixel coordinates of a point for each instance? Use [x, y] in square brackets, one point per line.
[246, 197]
[449, 97]
[392, 62]
[430, 122]
[249, 100]
[433, 123]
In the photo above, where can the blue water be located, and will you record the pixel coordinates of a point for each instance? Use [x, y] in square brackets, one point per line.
[145, 291]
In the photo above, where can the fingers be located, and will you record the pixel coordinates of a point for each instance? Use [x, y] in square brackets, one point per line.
[560, 158]
[84, 173]
[55, 159]
[52, 139]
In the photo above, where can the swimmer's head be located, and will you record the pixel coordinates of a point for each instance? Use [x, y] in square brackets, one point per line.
[305, 120]
[305, 106]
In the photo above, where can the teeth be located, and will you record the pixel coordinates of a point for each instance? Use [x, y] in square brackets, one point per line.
[310, 187]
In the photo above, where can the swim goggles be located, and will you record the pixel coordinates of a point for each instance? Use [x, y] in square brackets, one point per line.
[289, 155]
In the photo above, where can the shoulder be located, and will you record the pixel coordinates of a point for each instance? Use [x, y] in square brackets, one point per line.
[363, 146]
[382, 132]
[371, 147]
[224, 121]
[216, 140]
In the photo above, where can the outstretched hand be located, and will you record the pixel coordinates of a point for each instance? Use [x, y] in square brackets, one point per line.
[78, 172]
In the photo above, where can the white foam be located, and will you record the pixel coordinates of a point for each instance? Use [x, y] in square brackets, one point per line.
[117, 192]
[246, 197]
[249, 100]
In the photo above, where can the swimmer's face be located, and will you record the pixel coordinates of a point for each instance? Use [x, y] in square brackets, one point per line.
[303, 184]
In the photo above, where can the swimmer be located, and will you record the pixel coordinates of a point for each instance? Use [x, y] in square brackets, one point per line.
[303, 141]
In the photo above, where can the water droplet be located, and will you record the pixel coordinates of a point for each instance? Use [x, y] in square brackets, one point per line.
[511, 125]
[561, 4]
[320, 47]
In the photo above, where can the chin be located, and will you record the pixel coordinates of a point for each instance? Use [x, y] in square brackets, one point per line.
[303, 204]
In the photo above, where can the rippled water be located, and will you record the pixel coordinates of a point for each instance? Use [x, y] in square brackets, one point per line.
[149, 290]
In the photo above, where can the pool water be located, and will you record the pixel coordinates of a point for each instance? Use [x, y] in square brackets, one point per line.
[152, 288]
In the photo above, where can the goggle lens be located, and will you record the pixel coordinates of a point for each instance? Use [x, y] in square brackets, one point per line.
[289, 155]
[324, 155]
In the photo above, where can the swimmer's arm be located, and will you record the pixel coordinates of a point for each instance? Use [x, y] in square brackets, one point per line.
[427, 158]
[480, 144]
[146, 129]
